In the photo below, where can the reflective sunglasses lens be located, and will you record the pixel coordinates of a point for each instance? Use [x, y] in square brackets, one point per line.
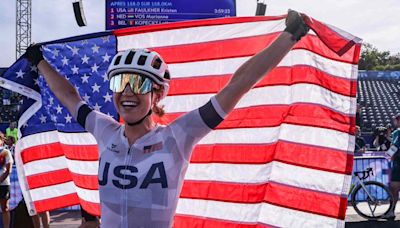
[139, 84]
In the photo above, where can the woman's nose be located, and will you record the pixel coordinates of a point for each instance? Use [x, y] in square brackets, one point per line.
[127, 90]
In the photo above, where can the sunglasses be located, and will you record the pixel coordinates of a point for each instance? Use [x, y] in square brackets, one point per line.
[139, 84]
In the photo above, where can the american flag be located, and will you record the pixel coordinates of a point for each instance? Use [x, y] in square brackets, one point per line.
[282, 158]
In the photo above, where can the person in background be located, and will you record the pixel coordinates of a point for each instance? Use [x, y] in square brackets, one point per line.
[12, 131]
[360, 142]
[44, 217]
[395, 171]
[5, 169]
[10, 145]
[382, 139]
[89, 220]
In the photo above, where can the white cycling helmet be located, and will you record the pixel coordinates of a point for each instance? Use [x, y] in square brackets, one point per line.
[142, 61]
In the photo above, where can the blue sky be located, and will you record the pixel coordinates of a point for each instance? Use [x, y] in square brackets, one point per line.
[376, 22]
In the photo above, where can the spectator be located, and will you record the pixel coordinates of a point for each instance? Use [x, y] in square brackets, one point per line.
[12, 131]
[382, 139]
[358, 116]
[44, 217]
[88, 220]
[360, 142]
[395, 171]
[5, 169]
[10, 145]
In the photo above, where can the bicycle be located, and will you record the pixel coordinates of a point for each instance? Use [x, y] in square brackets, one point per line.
[370, 199]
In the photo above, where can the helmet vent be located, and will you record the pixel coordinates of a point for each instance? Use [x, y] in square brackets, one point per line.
[129, 58]
[117, 60]
[167, 75]
[156, 64]
[142, 60]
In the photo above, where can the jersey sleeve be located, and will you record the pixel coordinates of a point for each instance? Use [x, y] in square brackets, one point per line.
[94, 121]
[396, 139]
[190, 128]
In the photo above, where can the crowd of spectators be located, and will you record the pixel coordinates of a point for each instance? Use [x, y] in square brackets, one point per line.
[10, 106]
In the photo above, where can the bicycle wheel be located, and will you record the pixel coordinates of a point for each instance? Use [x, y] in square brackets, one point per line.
[375, 205]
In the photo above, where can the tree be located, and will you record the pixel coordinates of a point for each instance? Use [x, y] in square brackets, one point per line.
[373, 59]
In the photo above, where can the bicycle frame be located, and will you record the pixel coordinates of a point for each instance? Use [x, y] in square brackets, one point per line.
[360, 182]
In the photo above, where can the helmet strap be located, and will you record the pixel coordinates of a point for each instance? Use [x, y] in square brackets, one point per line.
[144, 117]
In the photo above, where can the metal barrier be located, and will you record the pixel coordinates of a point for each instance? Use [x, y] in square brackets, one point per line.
[380, 165]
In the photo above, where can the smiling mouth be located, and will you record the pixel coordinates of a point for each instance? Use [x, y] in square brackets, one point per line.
[129, 104]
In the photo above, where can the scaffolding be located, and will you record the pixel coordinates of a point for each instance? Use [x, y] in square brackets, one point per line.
[23, 30]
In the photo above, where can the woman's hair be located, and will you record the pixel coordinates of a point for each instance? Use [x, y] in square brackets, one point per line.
[158, 109]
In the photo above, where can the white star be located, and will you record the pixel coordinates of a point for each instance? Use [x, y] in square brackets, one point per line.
[86, 98]
[25, 125]
[107, 97]
[106, 57]
[84, 42]
[108, 114]
[85, 59]
[75, 70]
[68, 118]
[75, 51]
[94, 68]
[106, 39]
[43, 119]
[85, 78]
[55, 53]
[97, 107]
[34, 68]
[95, 48]
[20, 74]
[95, 88]
[36, 81]
[64, 61]
[105, 77]
[59, 109]
[51, 100]
[54, 118]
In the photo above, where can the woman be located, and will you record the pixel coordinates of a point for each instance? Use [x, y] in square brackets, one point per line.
[142, 164]
[5, 170]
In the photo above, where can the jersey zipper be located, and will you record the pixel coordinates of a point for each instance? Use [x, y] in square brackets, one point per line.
[124, 222]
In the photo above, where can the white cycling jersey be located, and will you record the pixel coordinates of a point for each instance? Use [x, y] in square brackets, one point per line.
[140, 184]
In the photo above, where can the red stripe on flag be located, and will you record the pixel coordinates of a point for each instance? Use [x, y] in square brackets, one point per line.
[49, 178]
[285, 76]
[249, 46]
[307, 156]
[81, 152]
[40, 152]
[193, 221]
[52, 150]
[273, 193]
[85, 181]
[92, 208]
[275, 115]
[56, 202]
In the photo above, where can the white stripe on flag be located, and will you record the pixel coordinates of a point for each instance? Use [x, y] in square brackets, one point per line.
[270, 95]
[278, 172]
[52, 191]
[45, 165]
[294, 57]
[293, 133]
[88, 195]
[50, 137]
[253, 213]
[83, 167]
[199, 34]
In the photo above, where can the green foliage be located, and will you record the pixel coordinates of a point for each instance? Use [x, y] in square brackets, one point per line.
[373, 59]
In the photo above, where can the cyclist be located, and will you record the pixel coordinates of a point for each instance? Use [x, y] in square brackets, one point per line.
[142, 164]
[395, 172]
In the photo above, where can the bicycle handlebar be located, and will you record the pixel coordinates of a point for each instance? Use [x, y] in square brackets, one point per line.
[365, 173]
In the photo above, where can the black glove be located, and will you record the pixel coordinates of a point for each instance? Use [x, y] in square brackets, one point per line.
[295, 25]
[34, 54]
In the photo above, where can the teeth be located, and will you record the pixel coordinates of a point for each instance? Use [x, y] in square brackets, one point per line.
[129, 103]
